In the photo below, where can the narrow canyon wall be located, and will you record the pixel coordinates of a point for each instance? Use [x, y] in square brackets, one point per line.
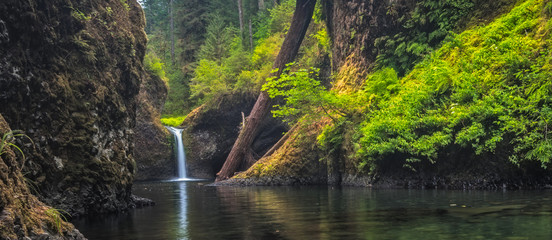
[354, 26]
[153, 144]
[70, 72]
[22, 215]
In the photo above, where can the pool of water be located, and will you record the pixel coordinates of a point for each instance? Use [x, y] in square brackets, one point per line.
[191, 210]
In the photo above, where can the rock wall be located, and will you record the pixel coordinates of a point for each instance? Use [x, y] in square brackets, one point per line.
[70, 72]
[22, 214]
[211, 130]
[153, 147]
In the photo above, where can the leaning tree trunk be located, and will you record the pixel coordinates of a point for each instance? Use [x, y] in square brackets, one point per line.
[242, 147]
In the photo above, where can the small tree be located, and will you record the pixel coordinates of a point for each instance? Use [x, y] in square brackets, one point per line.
[241, 151]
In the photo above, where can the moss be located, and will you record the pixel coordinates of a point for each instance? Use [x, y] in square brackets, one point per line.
[76, 95]
[18, 207]
[297, 158]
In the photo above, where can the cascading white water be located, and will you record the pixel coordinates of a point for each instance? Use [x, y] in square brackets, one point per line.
[180, 154]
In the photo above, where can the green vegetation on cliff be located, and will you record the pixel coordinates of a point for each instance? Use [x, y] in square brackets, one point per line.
[410, 87]
[486, 91]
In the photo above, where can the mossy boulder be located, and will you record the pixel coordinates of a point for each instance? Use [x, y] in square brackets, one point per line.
[296, 162]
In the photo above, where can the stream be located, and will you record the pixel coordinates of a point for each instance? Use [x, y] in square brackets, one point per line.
[191, 210]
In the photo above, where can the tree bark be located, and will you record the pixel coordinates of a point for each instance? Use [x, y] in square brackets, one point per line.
[171, 19]
[261, 5]
[242, 147]
[250, 36]
[240, 14]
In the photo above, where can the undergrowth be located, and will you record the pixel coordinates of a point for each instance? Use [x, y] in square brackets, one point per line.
[172, 121]
[486, 90]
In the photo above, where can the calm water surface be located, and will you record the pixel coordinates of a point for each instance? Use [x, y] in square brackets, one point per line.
[190, 210]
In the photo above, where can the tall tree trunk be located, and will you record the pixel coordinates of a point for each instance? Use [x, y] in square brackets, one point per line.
[171, 19]
[250, 36]
[261, 5]
[242, 147]
[240, 14]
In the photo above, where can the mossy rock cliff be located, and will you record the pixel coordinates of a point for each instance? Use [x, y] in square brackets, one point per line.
[22, 215]
[153, 147]
[70, 73]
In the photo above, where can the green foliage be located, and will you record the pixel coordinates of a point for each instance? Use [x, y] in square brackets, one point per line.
[173, 121]
[212, 57]
[423, 29]
[485, 90]
[210, 78]
[178, 102]
[58, 216]
[154, 65]
[332, 138]
[303, 95]
[219, 37]
[278, 21]
[233, 69]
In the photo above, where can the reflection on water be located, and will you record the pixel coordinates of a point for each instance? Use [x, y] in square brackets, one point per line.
[190, 210]
[182, 211]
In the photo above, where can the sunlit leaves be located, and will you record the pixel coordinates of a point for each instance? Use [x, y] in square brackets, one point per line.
[484, 90]
[302, 93]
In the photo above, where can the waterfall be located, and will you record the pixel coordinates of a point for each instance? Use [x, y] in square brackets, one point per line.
[180, 155]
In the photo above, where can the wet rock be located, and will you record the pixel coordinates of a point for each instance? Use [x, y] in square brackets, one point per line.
[140, 202]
